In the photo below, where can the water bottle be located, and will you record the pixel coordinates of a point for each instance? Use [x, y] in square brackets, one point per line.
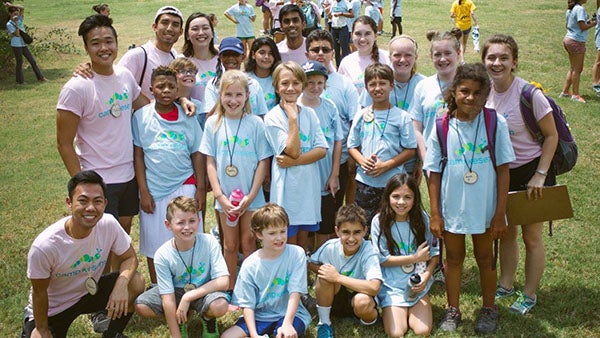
[183, 330]
[235, 198]
[412, 281]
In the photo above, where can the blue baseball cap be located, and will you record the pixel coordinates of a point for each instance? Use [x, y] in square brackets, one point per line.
[314, 68]
[232, 44]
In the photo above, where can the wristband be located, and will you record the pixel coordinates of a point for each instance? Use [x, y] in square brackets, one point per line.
[541, 172]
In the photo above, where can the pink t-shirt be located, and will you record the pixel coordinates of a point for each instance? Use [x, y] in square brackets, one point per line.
[66, 260]
[103, 142]
[353, 67]
[507, 104]
[134, 59]
[206, 72]
[297, 55]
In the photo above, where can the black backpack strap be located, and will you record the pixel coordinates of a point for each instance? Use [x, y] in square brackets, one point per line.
[144, 68]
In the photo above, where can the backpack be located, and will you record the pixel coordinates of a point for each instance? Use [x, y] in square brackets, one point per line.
[491, 120]
[565, 156]
[309, 13]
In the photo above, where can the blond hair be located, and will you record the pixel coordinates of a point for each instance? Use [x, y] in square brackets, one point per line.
[229, 78]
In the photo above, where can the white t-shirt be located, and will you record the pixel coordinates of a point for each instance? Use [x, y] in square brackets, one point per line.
[103, 142]
[353, 67]
[66, 260]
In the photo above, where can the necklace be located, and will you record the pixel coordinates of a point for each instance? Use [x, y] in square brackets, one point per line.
[189, 286]
[404, 104]
[231, 170]
[369, 116]
[469, 177]
[90, 283]
[410, 267]
[443, 106]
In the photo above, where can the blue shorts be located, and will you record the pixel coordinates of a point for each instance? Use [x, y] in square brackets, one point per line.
[293, 229]
[270, 328]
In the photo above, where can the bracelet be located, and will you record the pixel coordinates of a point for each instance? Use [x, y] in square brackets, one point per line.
[541, 172]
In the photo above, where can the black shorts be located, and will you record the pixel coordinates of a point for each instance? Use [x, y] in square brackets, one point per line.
[123, 199]
[342, 303]
[520, 176]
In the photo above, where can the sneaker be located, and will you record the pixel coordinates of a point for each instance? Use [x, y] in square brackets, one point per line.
[488, 320]
[451, 319]
[214, 230]
[596, 89]
[210, 329]
[577, 98]
[310, 303]
[324, 331]
[523, 304]
[564, 94]
[100, 321]
[502, 292]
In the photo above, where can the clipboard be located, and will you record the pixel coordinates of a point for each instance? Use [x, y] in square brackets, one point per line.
[555, 204]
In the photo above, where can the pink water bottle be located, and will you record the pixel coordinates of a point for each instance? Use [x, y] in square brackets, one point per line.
[235, 198]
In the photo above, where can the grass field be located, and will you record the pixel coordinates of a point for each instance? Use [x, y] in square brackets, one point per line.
[33, 178]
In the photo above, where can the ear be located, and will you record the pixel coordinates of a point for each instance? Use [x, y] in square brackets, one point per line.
[68, 201]
[336, 231]
[168, 225]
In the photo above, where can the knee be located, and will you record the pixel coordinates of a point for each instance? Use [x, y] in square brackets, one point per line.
[484, 259]
[144, 310]
[454, 259]
[397, 331]
[533, 243]
[362, 304]
[230, 246]
[218, 308]
[422, 330]
[136, 285]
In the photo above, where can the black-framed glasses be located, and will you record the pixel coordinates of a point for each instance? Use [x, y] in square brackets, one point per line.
[316, 50]
[185, 72]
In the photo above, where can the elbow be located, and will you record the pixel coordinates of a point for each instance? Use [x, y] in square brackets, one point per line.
[321, 152]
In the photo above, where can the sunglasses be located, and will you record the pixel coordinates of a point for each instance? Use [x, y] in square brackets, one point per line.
[316, 50]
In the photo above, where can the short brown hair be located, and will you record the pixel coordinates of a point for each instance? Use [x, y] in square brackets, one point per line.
[183, 203]
[351, 213]
[269, 215]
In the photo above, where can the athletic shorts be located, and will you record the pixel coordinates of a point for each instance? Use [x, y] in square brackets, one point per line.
[573, 47]
[123, 199]
[520, 176]
[293, 229]
[151, 298]
[270, 328]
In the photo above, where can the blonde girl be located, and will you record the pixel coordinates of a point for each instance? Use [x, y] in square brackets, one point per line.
[236, 152]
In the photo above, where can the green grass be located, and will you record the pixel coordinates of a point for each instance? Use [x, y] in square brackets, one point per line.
[33, 178]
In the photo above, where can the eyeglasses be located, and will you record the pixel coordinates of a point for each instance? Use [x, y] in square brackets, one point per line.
[316, 50]
[185, 72]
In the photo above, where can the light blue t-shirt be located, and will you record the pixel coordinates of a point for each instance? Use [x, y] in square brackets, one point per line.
[345, 97]
[16, 41]
[373, 12]
[387, 135]
[257, 97]
[266, 83]
[265, 285]
[340, 6]
[573, 17]
[168, 146]
[468, 208]
[200, 112]
[395, 278]
[332, 130]
[298, 188]
[206, 264]
[363, 264]
[597, 32]
[428, 103]
[356, 6]
[396, 8]
[243, 14]
[248, 146]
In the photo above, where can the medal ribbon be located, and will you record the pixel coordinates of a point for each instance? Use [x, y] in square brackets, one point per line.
[187, 268]
[465, 145]
[231, 150]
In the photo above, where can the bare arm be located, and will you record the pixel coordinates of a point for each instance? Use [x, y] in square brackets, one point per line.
[231, 18]
[287, 329]
[548, 129]
[146, 200]
[66, 129]
[292, 144]
[141, 101]
[250, 320]
[40, 307]
[199, 164]
[498, 222]
[436, 221]
[118, 305]
[330, 274]
[308, 157]
[384, 166]
[170, 310]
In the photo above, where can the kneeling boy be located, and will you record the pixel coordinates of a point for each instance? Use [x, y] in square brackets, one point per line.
[191, 273]
[348, 272]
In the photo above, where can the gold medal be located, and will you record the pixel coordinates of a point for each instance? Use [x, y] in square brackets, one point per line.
[231, 170]
[408, 268]
[91, 286]
[115, 110]
[189, 287]
[470, 177]
[368, 116]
